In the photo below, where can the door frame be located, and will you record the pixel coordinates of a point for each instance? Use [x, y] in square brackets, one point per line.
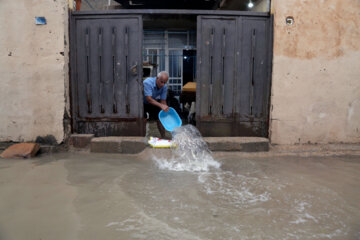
[140, 123]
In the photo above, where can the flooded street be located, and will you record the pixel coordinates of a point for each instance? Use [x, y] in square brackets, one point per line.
[104, 196]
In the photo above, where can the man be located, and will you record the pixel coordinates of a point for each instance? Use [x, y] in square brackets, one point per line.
[155, 91]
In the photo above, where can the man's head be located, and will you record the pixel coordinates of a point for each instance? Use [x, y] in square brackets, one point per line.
[162, 79]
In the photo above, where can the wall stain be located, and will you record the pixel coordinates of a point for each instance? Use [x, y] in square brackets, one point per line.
[321, 28]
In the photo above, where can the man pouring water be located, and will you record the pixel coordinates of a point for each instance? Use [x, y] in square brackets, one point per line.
[155, 91]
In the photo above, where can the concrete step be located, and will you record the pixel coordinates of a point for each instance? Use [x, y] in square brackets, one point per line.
[127, 145]
[237, 144]
[80, 140]
[133, 145]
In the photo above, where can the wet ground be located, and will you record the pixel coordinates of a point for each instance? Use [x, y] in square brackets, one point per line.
[103, 196]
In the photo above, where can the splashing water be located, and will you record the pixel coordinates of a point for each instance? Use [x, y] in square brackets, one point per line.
[190, 154]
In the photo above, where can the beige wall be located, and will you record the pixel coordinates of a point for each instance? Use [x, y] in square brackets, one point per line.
[315, 85]
[316, 72]
[32, 76]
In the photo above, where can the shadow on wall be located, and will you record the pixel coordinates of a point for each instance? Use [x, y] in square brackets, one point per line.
[46, 140]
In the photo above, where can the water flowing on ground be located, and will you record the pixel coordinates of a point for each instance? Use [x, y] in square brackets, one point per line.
[248, 199]
[110, 196]
[190, 154]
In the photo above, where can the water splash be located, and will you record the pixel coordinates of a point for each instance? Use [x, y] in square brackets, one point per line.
[190, 154]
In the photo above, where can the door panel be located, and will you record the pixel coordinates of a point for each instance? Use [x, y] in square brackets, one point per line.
[217, 68]
[252, 82]
[233, 78]
[108, 92]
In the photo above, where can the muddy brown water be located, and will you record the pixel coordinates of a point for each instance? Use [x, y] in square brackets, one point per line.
[106, 196]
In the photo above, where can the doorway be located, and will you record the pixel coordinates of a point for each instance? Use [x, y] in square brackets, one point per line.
[219, 64]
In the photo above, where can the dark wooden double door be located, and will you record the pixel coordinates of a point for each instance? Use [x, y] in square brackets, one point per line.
[233, 75]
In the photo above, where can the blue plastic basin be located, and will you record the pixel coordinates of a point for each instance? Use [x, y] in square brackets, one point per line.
[170, 119]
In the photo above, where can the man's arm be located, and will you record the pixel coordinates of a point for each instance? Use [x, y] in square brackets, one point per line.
[163, 97]
[161, 104]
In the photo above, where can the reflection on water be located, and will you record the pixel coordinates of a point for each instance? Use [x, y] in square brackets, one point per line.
[113, 196]
[246, 199]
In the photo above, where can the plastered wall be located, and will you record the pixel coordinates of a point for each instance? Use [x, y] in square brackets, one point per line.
[315, 96]
[32, 75]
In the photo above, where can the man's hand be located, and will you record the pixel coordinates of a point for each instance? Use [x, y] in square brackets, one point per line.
[164, 107]
[162, 104]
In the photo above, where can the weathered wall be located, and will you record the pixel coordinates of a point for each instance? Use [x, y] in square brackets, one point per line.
[32, 76]
[261, 6]
[315, 84]
[316, 72]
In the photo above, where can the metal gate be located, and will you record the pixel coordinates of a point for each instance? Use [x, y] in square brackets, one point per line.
[106, 80]
[234, 74]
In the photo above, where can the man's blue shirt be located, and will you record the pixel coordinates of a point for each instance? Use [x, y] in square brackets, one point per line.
[150, 89]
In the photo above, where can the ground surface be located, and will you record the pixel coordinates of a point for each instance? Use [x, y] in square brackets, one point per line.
[109, 196]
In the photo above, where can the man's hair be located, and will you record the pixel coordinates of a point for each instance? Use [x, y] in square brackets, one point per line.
[163, 73]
